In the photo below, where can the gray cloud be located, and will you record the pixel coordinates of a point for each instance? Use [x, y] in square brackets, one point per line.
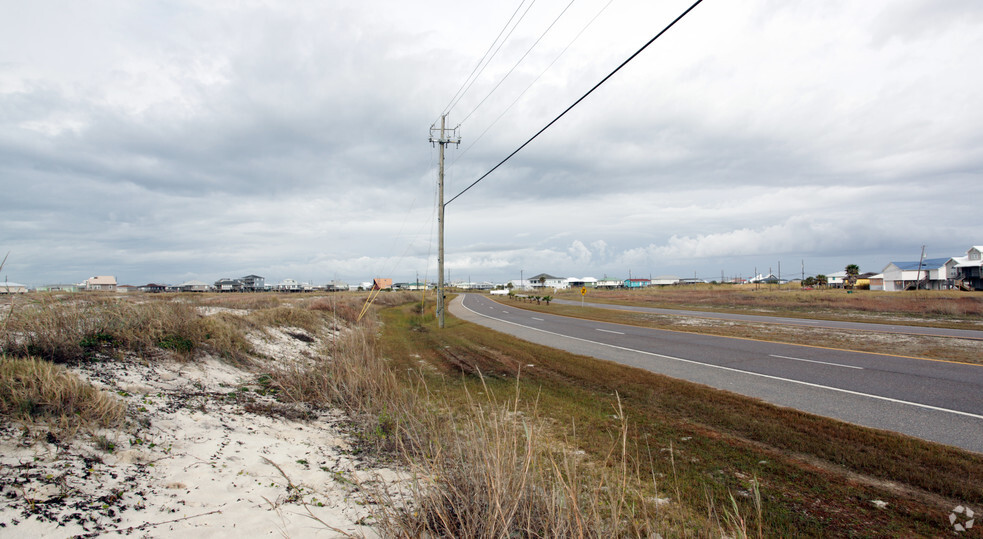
[175, 140]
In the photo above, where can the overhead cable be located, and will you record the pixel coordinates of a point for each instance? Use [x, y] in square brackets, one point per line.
[518, 62]
[476, 66]
[531, 84]
[577, 102]
[490, 58]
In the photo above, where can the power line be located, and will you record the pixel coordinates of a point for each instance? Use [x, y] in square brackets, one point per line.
[577, 102]
[531, 84]
[461, 93]
[540, 38]
[502, 31]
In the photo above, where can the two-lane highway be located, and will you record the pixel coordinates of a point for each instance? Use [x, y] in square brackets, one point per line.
[973, 334]
[934, 400]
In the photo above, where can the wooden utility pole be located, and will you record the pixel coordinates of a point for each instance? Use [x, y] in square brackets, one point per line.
[443, 139]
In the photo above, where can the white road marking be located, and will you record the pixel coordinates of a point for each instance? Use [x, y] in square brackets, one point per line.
[609, 331]
[731, 369]
[534, 318]
[820, 362]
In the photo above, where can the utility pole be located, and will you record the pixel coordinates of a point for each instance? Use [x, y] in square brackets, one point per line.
[443, 139]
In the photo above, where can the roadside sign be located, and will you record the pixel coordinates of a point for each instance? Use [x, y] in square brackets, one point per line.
[583, 291]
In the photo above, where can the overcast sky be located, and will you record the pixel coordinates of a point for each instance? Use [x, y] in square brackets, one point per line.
[166, 141]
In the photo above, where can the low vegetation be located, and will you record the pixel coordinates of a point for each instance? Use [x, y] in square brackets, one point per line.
[34, 390]
[503, 437]
[939, 308]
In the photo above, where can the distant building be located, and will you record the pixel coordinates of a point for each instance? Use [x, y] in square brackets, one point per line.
[12, 288]
[637, 283]
[153, 288]
[664, 280]
[104, 283]
[58, 288]
[336, 286]
[928, 274]
[194, 286]
[968, 270]
[253, 283]
[837, 279]
[228, 285]
[545, 280]
[581, 282]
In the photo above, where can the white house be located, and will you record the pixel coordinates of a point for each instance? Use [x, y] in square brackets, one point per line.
[837, 279]
[664, 280]
[929, 274]
[968, 271]
[607, 282]
[288, 285]
[12, 288]
[545, 280]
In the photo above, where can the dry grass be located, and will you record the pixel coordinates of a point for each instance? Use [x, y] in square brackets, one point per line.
[37, 390]
[940, 307]
[73, 328]
[815, 476]
[481, 468]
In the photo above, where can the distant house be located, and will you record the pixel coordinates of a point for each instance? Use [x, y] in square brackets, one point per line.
[837, 279]
[228, 285]
[58, 288]
[253, 283]
[637, 283]
[336, 286]
[928, 274]
[607, 282]
[545, 280]
[968, 270]
[153, 288]
[104, 283]
[194, 286]
[664, 280]
[12, 288]
[288, 285]
[581, 282]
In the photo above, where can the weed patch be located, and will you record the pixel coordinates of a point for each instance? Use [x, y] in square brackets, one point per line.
[36, 390]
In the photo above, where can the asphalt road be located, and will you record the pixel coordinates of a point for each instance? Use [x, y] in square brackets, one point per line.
[934, 400]
[804, 322]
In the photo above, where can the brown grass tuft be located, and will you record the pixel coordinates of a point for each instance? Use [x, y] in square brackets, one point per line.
[36, 390]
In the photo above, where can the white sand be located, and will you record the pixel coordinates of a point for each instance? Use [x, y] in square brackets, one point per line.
[206, 465]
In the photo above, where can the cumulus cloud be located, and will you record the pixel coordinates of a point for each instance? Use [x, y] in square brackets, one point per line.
[175, 139]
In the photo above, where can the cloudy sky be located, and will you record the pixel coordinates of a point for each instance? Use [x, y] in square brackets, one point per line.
[172, 140]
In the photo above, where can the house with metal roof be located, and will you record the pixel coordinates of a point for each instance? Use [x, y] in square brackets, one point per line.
[969, 269]
[545, 280]
[928, 274]
[194, 286]
[7, 287]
